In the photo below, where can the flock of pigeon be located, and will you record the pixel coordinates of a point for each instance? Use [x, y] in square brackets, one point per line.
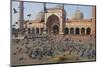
[38, 47]
[15, 11]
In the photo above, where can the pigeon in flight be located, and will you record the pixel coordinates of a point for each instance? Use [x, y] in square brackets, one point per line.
[26, 21]
[16, 22]
[15, 11]
[13, 25]
[29, 15]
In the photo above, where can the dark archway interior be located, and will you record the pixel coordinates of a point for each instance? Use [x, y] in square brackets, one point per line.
[88, 31]
[77, 31]
[82, 31]
[52, 20]
[66, 31]
[71, 30]
[55, 29]
[37, 30]
[29, 30]
[33, 30]
[41, 30]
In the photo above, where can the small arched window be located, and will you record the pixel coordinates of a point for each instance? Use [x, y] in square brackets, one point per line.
[71, 30]
[88, 31]
[82, 31]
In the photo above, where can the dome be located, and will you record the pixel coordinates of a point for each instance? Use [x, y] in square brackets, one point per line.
[78, 15]
[40, 16]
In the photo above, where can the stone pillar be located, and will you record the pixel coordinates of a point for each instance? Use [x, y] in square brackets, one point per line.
[74, 31]
[69, 31]
[61, 26]
[79, 31]
[85, 31]
[30, 30]
[44, 28]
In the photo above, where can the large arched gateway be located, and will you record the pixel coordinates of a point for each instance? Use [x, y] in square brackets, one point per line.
[53, 24]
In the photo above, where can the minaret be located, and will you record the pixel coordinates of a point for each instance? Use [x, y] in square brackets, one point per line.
[45, 11]
[93, 19]
[63, 17]
[21, 15]
[93, 11]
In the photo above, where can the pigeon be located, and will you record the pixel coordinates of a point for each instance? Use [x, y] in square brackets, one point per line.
[16, 22]
[15, 11]
[26, 21]
[30, 23]
[29, 15]
[13, 25]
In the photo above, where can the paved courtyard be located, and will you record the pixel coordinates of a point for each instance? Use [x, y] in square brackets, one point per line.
[39, 49]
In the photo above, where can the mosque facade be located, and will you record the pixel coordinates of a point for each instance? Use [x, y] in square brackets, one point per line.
[54, 21]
